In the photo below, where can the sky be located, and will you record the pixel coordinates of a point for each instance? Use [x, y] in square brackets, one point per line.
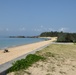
[32, 17]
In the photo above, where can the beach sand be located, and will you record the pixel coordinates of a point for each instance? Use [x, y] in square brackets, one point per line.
[21, 50]
[60, 60]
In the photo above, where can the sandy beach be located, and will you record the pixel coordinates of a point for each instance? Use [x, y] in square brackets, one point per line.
[60, 60]
[21, 50]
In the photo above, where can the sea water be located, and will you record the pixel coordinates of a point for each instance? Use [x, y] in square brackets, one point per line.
[11, 42]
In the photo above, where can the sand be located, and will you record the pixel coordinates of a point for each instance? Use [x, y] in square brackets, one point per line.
[21, 50]
[60, 60]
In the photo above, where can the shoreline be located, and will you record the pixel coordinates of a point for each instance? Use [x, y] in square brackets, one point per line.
[16, 45]
[48, 38]
[20, 45]
[5, 66]
[21, 50]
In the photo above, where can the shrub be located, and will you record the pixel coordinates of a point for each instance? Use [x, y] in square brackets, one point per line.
[25, 63]
[66, 37]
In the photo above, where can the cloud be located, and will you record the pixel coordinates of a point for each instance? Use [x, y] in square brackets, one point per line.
[7, 29]
[42, 29]
[4, 29]
[41, 26]
[50, 29]
[37, 30]
[63, 29]
[22, 29]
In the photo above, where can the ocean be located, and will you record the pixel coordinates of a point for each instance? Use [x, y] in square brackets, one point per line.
[12, 42]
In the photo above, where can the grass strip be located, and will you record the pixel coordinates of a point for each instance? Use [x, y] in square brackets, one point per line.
[25, 63]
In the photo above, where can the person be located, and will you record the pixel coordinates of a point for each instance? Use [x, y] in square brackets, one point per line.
[5, 50]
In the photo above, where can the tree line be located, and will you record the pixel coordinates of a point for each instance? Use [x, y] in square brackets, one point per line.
[62, 36]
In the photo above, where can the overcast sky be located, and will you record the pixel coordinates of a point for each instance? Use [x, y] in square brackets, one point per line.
[31, 17]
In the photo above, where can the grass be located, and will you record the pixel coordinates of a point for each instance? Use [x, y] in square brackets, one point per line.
[56, 55]
[61, 50]
[62, 72]
[25, 63]
[22, 72]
